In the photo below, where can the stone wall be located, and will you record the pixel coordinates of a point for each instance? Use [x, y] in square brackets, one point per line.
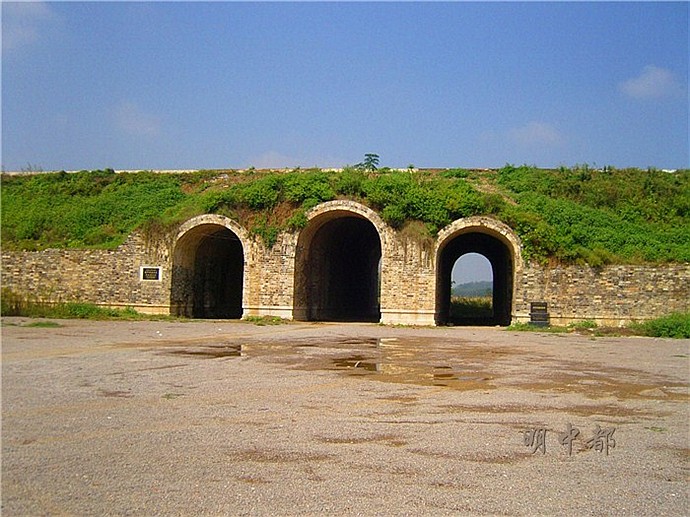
[407, 281]
[409, 288]
[269, 283]
[611, 295]
[104, 277]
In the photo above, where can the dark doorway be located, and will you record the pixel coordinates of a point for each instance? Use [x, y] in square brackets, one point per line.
[208, 274]
[337, 273]
[499, 256]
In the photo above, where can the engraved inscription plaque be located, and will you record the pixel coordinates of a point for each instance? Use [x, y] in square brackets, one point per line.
[151, 273]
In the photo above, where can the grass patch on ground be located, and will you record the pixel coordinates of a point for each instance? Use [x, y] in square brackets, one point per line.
[583, 325]
[16, 305]
[527, 327]
[676, 325]
[265, 320]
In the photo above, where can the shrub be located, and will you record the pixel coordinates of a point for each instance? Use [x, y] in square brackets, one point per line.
[350, 182]
[297, 221]
[455, 173]
[315, 186]
[387, 189]
[262, 193]
[266, 230]
[11, 304]
[402, 196]
[676, 325]
[461, 200]
[394, 215]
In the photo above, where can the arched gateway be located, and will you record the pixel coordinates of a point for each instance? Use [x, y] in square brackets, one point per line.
[501, 247]
[337, 264]
[334, 269]
[208, 268]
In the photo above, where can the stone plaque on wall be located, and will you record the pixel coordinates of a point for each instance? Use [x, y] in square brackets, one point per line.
[150, 273]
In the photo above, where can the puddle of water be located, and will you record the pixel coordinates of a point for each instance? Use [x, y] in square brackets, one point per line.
[398, 364]
[209, 352]
[389, 359]
[446, 363]
[115, 393]
[356, 362]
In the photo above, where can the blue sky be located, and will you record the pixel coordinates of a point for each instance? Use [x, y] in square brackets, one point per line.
[232, 85]
[471, 267]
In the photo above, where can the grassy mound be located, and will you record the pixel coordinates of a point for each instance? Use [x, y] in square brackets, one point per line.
[570, 215]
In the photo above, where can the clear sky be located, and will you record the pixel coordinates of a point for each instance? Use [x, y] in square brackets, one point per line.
[230, 85]
[471, 267]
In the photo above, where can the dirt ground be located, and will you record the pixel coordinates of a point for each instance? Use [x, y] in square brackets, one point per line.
[230, 418]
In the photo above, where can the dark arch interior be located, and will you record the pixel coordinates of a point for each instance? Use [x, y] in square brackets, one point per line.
[498, 255]
[208, 274]
[340, 277]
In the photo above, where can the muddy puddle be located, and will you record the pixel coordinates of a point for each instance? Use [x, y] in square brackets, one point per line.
[418, 361]
[451, 364]
[209, 352]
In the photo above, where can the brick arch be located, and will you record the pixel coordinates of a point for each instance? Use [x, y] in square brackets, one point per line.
[338, 263]
[208, 268]
[331, 209]
[494, 240]
[213, 219]
[483, 224]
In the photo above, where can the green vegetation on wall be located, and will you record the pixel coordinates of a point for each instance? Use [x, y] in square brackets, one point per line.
[86, 209]
[578, 214]
[601, 216]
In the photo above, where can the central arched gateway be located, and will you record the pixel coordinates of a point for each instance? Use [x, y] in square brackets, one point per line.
[337, 267]
[498, 244]
[208, 269]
